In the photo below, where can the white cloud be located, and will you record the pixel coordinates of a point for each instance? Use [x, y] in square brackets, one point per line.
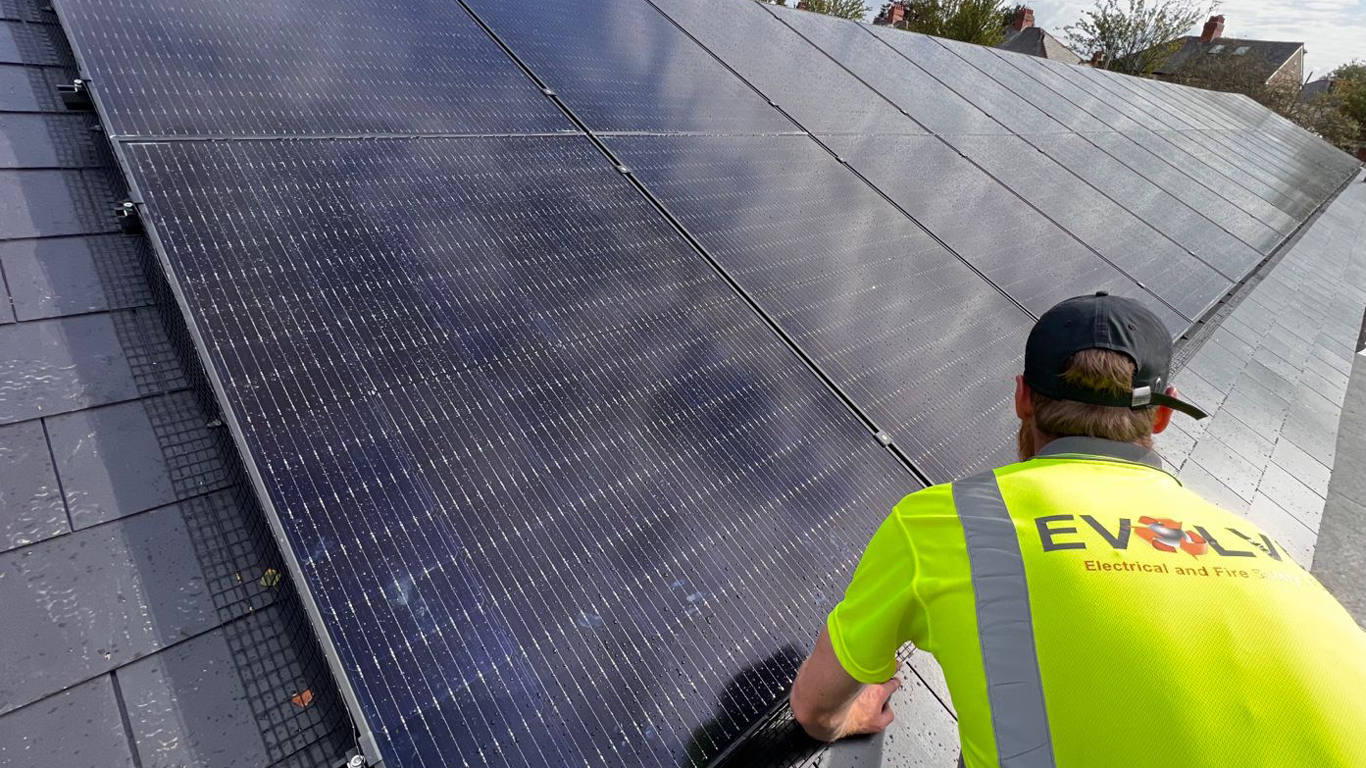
[1333, 31]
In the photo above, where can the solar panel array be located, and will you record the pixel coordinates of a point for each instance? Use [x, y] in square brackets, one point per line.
[577, 347]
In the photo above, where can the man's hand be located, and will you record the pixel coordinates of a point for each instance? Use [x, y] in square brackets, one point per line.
[870, 711]
[829, 704]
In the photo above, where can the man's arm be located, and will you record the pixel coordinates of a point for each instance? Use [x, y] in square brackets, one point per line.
[829, 704]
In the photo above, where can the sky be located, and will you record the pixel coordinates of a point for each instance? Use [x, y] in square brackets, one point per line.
[1333, 31]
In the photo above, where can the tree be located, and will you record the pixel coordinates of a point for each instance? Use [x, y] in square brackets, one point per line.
[972, 21]
[1349, 82]
[845, 9]
[1135, 36]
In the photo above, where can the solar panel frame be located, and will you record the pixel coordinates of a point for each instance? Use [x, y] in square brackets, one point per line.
[828, 545]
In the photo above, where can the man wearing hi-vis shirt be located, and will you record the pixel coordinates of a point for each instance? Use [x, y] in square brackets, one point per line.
[1088, 610]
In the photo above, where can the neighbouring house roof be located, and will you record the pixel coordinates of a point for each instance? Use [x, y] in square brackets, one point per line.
[1266, 55]
[1316, 88]
[1038, 42]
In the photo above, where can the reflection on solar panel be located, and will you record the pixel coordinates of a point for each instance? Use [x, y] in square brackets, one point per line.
[857, 285]
[572, 459]
[540, 463]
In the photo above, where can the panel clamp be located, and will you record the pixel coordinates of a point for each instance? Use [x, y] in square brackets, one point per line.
[623, 170]
[128, 216]
[76, 95]
[884, 438]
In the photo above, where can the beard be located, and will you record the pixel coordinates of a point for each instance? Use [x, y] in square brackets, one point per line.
[1024, 440]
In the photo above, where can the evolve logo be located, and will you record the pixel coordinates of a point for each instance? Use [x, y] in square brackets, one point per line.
[1167, 536]
[1163, 534]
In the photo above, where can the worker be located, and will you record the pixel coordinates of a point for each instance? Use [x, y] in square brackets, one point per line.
[1086, 609]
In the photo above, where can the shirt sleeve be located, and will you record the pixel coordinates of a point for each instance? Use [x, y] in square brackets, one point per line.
[872, 621]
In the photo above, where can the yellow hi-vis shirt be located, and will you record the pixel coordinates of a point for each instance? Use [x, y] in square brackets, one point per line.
[1088, 610]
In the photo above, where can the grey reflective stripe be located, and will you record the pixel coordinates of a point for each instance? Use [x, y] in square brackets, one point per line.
[1018, 717]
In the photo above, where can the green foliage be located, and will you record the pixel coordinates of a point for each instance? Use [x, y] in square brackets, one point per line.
[1325, 115]
[1135, 36]
[844, 9]
[1350, 87]
[972, 21]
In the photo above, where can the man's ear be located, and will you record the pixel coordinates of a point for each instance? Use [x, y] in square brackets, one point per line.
[1024, 404]
[1164, 414]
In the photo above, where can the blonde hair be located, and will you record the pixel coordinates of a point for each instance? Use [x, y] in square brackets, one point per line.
[1106, 372]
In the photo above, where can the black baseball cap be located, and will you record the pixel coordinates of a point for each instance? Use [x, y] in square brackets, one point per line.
[1102, 321]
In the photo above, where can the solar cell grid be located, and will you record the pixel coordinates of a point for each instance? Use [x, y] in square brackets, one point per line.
[918, 340]
[621, 65]
[558, 550]
[313, 67]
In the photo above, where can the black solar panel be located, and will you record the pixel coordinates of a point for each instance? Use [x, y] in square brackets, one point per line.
[568, 485]
[1124, 240]
[931, 103]
[258, 67]
[990, 96]
[621, 65]
[1018, 248]
[919, 341]
[1176, 182]
[819, 94]
[1186, 227]
[990, 62]
[553, 484]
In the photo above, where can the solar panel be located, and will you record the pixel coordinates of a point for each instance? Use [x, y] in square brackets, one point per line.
[932, 104]
[551, 482]
[996, 100]
[1014, 245]
[1230, 181]
[258, 67]
[1185, 226]
[1251, 173]
[990, 63]
[621, 65]
[1121, 238]
[920, 342]
[1176, 182]
[819, 94]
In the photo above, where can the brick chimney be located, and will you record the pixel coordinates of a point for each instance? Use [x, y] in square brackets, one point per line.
[1024, 18]
[1214, 29]
[892, 15]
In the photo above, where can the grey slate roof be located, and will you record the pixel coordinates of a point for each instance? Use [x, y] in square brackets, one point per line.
[1267, 55]
[146, 621]
[1034, 41]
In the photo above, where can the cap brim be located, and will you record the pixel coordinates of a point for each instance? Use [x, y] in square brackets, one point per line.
[1179, 405]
